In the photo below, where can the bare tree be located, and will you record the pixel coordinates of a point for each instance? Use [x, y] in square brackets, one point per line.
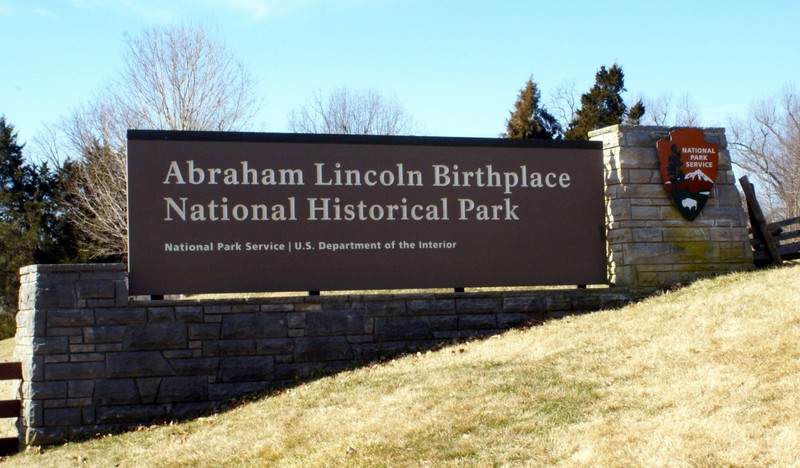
[658, 109]
[663, 110]
[687, 115]
[350, 112]
[173, 78]
[766, 145]
[564, 102]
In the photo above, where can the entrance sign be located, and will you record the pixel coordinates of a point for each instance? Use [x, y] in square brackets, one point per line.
[688, 168]
[245, 212]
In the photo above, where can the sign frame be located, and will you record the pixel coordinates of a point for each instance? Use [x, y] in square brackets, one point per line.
[350, 207]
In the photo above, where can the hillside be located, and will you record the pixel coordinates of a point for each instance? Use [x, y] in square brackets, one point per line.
[708, 375]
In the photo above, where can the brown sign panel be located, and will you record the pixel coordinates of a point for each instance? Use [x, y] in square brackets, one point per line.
[688, 168]
[245, 212]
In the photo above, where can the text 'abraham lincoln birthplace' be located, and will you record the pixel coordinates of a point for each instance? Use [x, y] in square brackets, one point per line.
[264, 212]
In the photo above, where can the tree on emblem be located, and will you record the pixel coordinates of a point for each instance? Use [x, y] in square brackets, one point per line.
[674, 166]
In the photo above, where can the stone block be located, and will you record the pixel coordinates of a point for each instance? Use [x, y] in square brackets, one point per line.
[52, 295]
[69, 318]
[619, 208]
[646, 138]
[275, 346]
[116, 392]
[647, 234]
[491, 305]
[177, 389]
[74, 370]
[586, 302]
[218, 309]
[308, 306]
[122, 299]
[430, 306]
[160, 314]
[96, 289]
[155, 336]
[296, 320]
[132, 414]
[638, 158]
[442, 322]
[643, 176]
[277, 307]
[41, 346]
[260, 325]
[204, 331]
[195, 366]
[677, 234]
[335, 322]
[402, 328]
[695, 252]
[645, 212]
[386, 308]
[229, 348]
[246, 369]
[226, 391]
[328, 348]
[648, 253]
[186, 410]
[524, 304]
[476, 321]
[558, 302]
[137, 364]
[27, 296]
[87, 357]
[374, 351]
[104, 334]
[120, 316]
[189, 314]
[615, 300]
[62, 417]
[80, 389]
[45, 390]
[148, 389]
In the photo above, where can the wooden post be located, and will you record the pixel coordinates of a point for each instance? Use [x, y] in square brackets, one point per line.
[757, 221]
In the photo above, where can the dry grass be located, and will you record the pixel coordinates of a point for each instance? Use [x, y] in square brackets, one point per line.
[706, 376]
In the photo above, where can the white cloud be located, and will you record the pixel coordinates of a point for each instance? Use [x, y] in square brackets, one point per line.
[45, 13]
[159, 10]
[255, 9]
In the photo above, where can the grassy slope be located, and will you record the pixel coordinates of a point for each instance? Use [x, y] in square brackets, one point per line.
[709, 375]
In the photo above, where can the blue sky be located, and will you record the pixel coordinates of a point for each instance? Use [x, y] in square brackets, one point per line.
[456, 66]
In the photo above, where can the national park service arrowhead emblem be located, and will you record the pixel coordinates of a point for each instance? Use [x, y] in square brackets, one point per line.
[688, 168]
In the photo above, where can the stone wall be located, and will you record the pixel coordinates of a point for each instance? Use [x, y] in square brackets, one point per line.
[95, 361]
[650, 244]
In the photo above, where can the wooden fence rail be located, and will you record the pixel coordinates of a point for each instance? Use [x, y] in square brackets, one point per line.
[772, 242]
[10, 408]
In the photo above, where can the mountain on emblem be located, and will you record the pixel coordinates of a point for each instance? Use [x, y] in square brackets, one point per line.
[699, 175]
[689, 169]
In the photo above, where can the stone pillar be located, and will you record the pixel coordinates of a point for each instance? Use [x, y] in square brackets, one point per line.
[58, 365]
[650, 244]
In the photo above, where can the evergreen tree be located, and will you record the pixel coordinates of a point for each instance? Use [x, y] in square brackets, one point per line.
[674, 165]
[602, 105]
[529, 119]
[636, 113]
[33, 225]
[16, 245]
